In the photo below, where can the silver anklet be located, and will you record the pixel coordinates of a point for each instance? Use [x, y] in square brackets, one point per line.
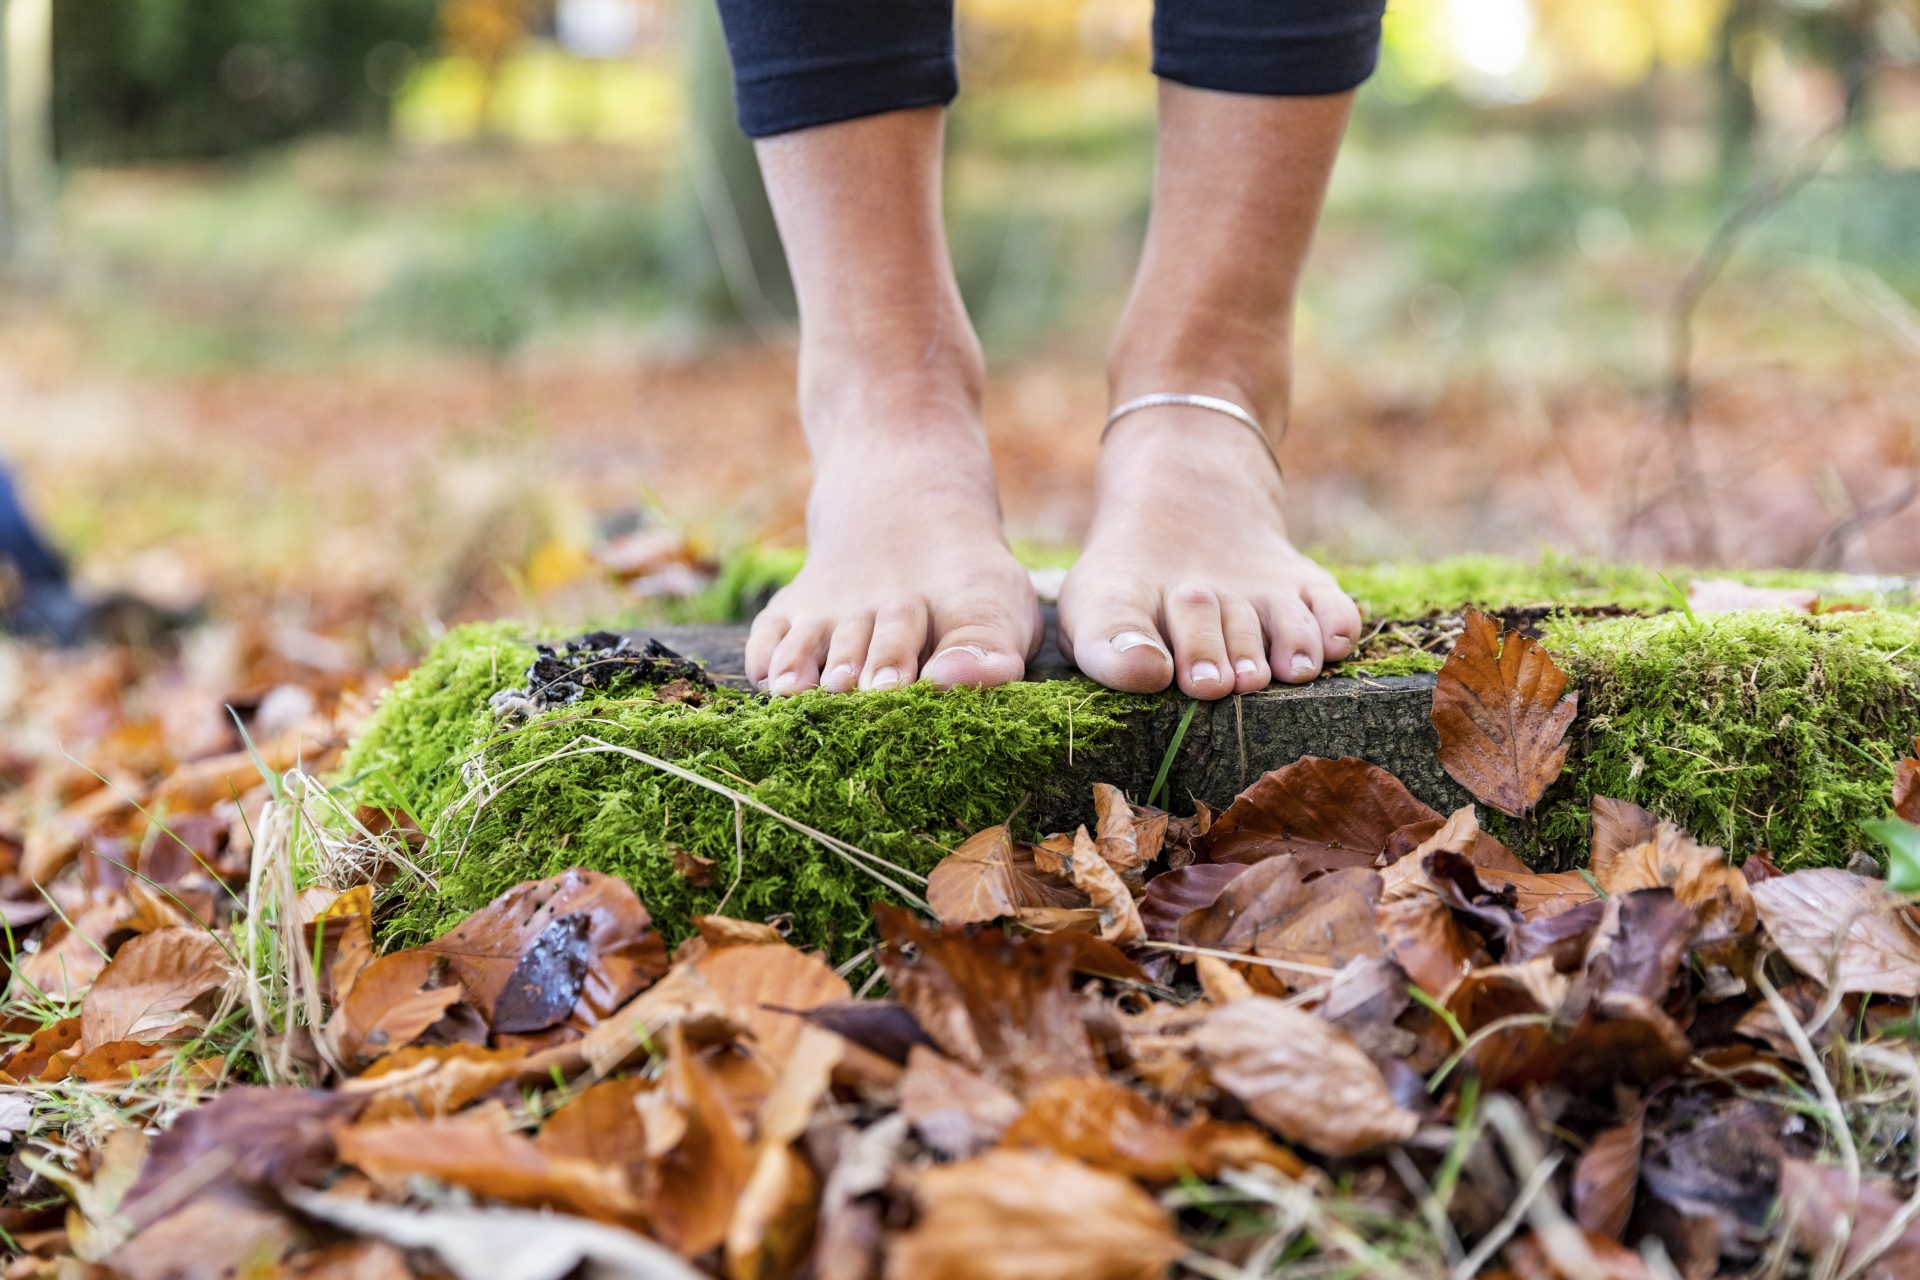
[1214, 404]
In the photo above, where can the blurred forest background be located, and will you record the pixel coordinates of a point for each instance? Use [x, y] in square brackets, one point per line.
[410, 310]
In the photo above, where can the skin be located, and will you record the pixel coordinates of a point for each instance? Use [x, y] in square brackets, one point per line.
[1187, 574]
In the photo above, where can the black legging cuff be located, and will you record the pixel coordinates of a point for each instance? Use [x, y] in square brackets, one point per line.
[798, 63]
[1286, 63]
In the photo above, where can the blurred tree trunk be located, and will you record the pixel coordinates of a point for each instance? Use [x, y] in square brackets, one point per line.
[26, 122]
[737, 267]
[1738, 115]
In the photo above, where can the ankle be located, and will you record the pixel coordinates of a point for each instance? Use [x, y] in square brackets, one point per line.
[880, 379]
[1248, 364]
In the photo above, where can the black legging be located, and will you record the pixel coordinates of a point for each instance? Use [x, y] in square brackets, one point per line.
[805, 62]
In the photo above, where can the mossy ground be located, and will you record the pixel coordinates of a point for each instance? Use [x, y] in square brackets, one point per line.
[1751, 730]
[903, 775]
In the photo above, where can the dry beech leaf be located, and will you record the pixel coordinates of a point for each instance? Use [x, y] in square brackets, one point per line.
[1842, 930]
[1617, 827]
[29, 1059]
[989, 877]
[1173, 894]
[683, 998]
[999, 1004]
[153, 980]
[1301, 1077]
[956, 1112]
[698, 1182]
[1129, 836]
[1220, 982]
[1698, 874]
[1424, 939]
[1015, 1215]
[1499, 709]
[389, 1003]
[719, 932]
[600, 1125]
[577, 943]
[767, 988]
[1818, 1204]
[1272, 910]
[474, 1153]
[435, 1080]
[1607, 1175]
[773, 1221]
[343, 928]
[1906, 786]
[1724, 595]
[1331, 813]
[1106, 1125]
[1107, 893]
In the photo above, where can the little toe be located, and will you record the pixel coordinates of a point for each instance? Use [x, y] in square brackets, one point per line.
[1294, 644]
[899, 638]
[1246, 645]
[978, 654]
[847, 653]
[795, 665]
[1119, 645]
[1199, 641]
[769, 629]
[1339, 620]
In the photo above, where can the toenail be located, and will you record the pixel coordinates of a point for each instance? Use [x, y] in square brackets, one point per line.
[973, 649]
[885, 678]
[1246, 666]
[1127, 641]
[1205, 673]
[784, 682]
[844, 669]
[1303, 665]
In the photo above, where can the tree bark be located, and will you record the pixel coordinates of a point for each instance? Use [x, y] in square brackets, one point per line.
[26, 121]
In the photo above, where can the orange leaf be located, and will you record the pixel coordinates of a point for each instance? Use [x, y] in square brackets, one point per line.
[1333, 813]
[988, 877]
[389, 1003]
[152, 982]
[1108, 1126]
[1906, 786]
[1502, 719]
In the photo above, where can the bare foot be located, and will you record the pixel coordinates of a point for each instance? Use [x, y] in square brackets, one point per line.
[907, 575]
[1187, 572]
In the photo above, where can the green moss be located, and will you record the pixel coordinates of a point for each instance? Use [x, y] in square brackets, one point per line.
[1750, 730]
[903, 774]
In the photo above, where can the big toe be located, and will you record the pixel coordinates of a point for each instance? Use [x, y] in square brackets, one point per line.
[1121, 648]
[978, 654]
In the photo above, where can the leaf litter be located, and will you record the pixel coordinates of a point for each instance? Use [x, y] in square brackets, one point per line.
[1324, 1031]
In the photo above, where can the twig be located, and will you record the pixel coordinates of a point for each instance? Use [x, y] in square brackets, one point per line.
[1835, 1115]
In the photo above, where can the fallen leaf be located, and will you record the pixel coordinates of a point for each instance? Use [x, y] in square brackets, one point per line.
[30, 1058]
[698, 1182]
[1499, 709]
[1617, 827]
[956, 1112]
[1724, 595]
[1427, 942]
[579, 942]
[691, 867]
[476, 1154]
[1129, 836]
[767, 988]
[1301, 1077]
[1106, 892]
[1173, 894]
[1016, 1215]
[501, 1244]
[1698, 875]
[720, 932]
[1906, 786]
[683, 998]
[389, 1004]
[1817, 1203]
[599, 1125]
[1274, 911]
[989, 877]
[999, 1004]
[1842, 930]
[153, 981]
[1607, 1175]
[772, 1226]
[1105, 1125]
[435, 1080]
[1331, 813]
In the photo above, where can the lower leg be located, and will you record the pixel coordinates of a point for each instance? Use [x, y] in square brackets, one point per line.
[906, 563]
[1188, 573]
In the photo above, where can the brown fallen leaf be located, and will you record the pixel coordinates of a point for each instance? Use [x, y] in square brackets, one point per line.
[1906, 786]
[1698, 874]
[697, 1183]
[478, 1155]
[344, 925]
[30, 1058]
[1301, 1077]
[1817, 1203]
[579, 943]
[719, 932]
[683, 998]
[1606, 1176]
[767, 988]
[1724, 595]
[1331, 813]
[1425, 939]
[1017, 1215]
[1173, 894]
[1106, 1125]
[999, 1004]
[1842, 930]
[691, 867]
[388, 1004]
[1502, 712]
[956, 1112]
[1274, 911]
[599, 1125]
[151, 984]
[990, 877]
[1129, 835]
[435, 1080]
[1106, 892]
[1617, 827]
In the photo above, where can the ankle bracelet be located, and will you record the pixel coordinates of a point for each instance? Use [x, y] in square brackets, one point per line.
[1214, 404]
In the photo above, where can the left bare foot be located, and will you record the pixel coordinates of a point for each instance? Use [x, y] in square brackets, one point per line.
[1188, 573]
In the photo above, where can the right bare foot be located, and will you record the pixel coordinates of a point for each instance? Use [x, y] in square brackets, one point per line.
[908, 575]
